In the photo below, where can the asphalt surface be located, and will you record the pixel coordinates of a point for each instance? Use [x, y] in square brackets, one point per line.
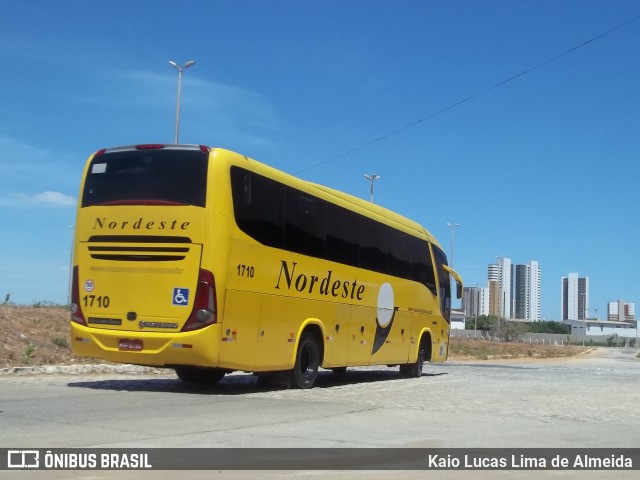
[588, 401]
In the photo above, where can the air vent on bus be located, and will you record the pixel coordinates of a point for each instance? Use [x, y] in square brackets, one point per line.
[138, 239]
[138, 253]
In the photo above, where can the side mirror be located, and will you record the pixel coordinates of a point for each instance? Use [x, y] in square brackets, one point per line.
[457, 278]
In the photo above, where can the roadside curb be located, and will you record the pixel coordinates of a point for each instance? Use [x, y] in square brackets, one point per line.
[82, 370]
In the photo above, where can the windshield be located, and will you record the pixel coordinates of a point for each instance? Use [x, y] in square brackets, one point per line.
[150, 176]
[444, 283]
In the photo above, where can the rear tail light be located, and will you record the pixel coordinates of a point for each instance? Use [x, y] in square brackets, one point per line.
[150, 146]
[76, 312]
[205, 311]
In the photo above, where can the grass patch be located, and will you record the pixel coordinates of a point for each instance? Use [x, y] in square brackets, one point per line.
[29, 350]
[62, 342]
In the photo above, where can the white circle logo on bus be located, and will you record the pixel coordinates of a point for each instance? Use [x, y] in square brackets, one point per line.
[89, 286]
[386, 307]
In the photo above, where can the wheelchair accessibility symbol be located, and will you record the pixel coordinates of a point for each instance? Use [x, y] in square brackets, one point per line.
[181, 296]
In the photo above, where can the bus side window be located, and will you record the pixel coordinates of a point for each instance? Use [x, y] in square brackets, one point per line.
[305, 226]
[374, 245]
[258, 205]
[342, 235]
[400, 254]
[246, 191]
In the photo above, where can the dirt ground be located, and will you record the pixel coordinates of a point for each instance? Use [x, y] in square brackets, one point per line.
[39, 335]
[33, 336]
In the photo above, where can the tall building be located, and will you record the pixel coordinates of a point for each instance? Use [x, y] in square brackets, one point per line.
[526, 291]
[575, 297]
[475, 301]
[628, 311]
[583, 298]
[535, 288]
[493, 272]
[520, 294]
[499, 276]
[494, 298]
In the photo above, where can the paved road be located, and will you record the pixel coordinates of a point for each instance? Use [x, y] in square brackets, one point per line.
[590, 401]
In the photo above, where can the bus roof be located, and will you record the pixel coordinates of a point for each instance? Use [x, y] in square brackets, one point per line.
[328, 193]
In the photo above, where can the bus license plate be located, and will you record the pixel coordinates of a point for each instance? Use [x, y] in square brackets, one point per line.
[130, 345]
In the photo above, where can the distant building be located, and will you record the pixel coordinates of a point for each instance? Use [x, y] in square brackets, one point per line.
[575, 297]
[627, 309]
[457, 319]
[499, 276]
[602, 328]
[494, 298]
[514, 290]
[475, 301]
[526, 291]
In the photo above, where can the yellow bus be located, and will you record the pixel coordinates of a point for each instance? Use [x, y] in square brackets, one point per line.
[203, 260]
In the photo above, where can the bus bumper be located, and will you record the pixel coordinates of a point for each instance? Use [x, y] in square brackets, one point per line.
[198, 348]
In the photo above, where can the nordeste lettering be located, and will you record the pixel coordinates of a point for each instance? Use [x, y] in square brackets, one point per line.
[326, 286]
[104, 223]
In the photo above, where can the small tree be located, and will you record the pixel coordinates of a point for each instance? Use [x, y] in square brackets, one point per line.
[509, 331]
[483, 322]
[549, 327]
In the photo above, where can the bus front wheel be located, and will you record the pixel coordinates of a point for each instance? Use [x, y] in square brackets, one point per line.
[413, 370]
[305, 370]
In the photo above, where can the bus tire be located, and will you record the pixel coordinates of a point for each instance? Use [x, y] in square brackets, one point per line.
[200, 375]
[305, 369]
[414, 370]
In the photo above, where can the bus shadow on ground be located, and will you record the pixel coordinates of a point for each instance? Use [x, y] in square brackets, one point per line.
[241, 384]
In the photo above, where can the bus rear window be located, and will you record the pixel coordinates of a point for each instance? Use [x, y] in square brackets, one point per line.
[151, 176]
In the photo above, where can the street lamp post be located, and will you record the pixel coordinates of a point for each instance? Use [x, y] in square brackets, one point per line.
[475, 321]
[452, 226]
[371, 178]
[180, 69]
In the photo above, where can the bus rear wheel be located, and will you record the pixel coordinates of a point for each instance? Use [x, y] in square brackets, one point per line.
[200, 375]
[305, 370]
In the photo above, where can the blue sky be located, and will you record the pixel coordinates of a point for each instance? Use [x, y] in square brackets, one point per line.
[543, 167]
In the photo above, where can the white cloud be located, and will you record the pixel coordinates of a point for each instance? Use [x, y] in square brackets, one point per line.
[20, 156]
[55, 198]
[208, 107]
[28, 168]
[135, 89]
[43, 199]
[24, 163]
